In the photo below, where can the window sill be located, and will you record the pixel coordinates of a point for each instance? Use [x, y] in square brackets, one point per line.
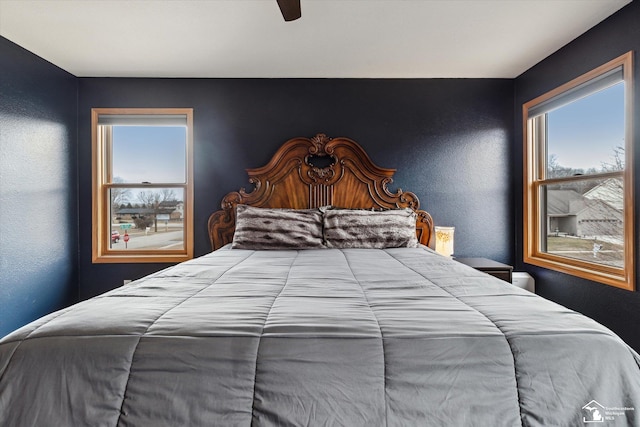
[129, 259]
[594, 272]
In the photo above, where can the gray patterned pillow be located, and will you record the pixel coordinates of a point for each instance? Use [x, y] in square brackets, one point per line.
[357, 228]
[265, 228]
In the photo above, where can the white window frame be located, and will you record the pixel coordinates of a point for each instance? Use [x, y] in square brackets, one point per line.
[101, 224]
[534, 179]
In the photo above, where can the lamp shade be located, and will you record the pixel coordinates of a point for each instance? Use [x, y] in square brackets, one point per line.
[444, 240]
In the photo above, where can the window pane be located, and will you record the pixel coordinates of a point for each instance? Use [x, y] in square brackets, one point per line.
[585, 220]
[586, 136]
[155, 154]
[151, 218]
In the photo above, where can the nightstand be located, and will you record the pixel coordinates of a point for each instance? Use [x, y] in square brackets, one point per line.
[494, 268]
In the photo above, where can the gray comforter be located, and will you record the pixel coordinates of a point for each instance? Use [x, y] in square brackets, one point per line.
[396, 337]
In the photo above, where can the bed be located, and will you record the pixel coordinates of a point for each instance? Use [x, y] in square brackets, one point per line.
[270, 329]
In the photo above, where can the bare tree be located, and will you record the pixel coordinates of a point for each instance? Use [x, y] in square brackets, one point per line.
[119, 195]
[555, 170]
[154, 200]
[618, 161]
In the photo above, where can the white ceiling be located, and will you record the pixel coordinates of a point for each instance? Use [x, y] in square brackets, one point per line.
[334, 38]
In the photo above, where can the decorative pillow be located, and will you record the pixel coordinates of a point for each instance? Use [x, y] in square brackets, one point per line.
[358, 228]
[264, 228]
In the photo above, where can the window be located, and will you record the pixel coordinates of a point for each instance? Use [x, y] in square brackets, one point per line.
[578, 204]
[142, 185]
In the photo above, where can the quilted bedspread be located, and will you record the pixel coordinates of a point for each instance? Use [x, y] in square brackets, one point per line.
[328, 337]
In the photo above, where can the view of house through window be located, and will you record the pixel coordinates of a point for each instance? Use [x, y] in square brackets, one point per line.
[584, 216]
[578, 215]
[142, 185]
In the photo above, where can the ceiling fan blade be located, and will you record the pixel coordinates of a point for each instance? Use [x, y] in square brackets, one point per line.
[290, 9]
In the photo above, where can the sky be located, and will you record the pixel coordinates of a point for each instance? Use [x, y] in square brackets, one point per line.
[584, 133]
[149, 153]
[154, 154]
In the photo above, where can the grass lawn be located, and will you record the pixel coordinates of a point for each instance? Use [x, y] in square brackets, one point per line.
[576, 244]
[573, 247]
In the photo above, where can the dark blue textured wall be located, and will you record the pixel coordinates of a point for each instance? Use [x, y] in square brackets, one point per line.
[450, 140]
[457, 144]
[38, 204]
[615, 308]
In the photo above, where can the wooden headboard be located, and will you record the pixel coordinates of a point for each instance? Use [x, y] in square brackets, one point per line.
[313, 172]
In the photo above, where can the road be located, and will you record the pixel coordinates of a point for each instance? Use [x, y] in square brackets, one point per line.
[165, 240]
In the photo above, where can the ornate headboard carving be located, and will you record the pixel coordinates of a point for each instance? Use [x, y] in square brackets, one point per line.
[313, 172]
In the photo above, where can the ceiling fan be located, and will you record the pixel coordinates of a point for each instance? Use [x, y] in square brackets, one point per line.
[290, 9]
